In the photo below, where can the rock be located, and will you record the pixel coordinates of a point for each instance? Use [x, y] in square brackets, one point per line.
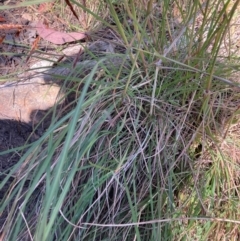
[18, 101]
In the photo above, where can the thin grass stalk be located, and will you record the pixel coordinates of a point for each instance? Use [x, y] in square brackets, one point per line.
[64, 154]
[118, 23]
[24, 4]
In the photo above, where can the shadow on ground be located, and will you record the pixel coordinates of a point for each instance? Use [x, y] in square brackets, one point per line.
[26, 111]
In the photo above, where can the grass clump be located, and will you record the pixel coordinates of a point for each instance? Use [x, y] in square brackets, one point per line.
[145, 151]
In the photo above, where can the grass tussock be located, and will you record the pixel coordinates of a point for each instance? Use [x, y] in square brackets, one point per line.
[149, 148]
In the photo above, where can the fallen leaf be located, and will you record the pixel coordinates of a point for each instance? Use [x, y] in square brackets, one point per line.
[57, 37]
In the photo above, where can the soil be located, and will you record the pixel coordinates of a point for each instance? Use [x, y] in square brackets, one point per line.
[22, 104]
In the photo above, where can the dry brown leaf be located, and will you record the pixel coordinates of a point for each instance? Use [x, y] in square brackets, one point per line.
[57, 37]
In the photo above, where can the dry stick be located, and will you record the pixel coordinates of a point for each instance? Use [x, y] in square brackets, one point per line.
[72, 9]
[167, 220]
[29, 232]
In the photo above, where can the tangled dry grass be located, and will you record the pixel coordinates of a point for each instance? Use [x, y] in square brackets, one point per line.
[149, 148]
